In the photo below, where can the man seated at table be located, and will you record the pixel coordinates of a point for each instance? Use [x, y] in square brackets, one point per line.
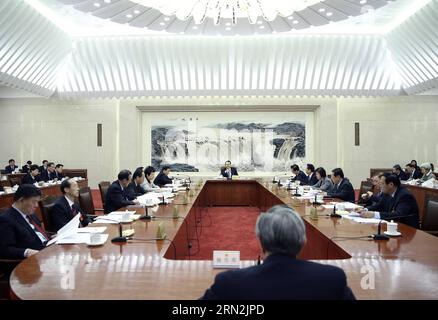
[26, 167]
[32, 176]
[397, 203]
[311, 176]
[11, 167]
[117, 194]
[372, 197]
[163, 177]
[48, 174]
[413, 172]
[397, 170]
[298, 175]
[342, 188]
[281, 276]
[135, 189]
[43, 167]
[21, 234]
[148, 183]
[228, 171]
[57, 174]
[65, 207]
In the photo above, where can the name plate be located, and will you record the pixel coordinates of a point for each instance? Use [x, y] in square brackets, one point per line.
[226, 259]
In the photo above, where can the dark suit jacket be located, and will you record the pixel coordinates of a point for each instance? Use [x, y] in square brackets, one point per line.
[417, 174]
[161, 179]
[281, 277]
[301, 176]
[344, 191]
[225, 174]
[56, 175]
[25, 169]
[28, 179]
[134, 190]
[46, 175]
[9, 169]
[374, 199]
[403, 204]
[403, 175]
[116, 198]
[61, 214]
[312, 180]
[16, 235]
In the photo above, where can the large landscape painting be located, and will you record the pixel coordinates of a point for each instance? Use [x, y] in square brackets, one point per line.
[193, 144]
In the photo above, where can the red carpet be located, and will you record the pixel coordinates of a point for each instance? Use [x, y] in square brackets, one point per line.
[232, 228]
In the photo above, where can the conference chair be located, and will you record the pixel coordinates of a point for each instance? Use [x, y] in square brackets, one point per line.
[365, 186]
[430, 218]
[46, 204]
[103, 187]
[86, 202]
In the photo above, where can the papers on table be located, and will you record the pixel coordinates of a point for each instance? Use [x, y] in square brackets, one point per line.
[68, 230]
[362, 220]
[347, 205]
[92, 230]
[116, 217]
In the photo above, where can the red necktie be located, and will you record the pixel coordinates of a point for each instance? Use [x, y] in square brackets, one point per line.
[37, 227]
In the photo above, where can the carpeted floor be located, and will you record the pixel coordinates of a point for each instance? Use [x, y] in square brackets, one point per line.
[232, 228]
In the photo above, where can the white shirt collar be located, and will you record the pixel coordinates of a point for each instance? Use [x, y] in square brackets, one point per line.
[392, 195]
[70, 203]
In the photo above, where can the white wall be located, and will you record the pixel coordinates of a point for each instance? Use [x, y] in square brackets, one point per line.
[393, 130]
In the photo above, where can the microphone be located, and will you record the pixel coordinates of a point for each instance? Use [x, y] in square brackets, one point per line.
[162, 200]
[120, 238]
[379, 235]
[334, 214]
[185, 183]
[146, 215]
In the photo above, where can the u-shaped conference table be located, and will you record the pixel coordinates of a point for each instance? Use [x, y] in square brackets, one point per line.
[401, 268]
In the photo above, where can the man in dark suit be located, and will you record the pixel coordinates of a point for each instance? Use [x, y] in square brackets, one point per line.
[11, 167]
[57, 174]
[397, 170]
[397, 203]
[135, 189]
[311, 177]
[228, 171]
[413, 172]
[32, 176]
[298, 175]
[117, 195]
[21, 234]
[65, 207]
[282, 276]
[48, 174]
[342, 188]
[43, 167]
[26, 167]
[163, 177]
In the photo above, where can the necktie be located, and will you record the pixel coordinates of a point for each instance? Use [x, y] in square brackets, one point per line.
[74, 210]
[37, 227]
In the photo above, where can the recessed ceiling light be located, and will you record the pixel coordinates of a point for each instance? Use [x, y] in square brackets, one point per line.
[259, 22]
[295, 22]
[228, 24]
[136, 11]
[363, 1]
[329, 14]
[290, 17]
[166, 18]
[129, 16]
[107, 1]
[96, 4]
[228, 28]
[195, 27]
[162, 23]
[321, 9]
[261, 27]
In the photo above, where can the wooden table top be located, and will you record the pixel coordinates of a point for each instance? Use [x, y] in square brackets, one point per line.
[404, 267]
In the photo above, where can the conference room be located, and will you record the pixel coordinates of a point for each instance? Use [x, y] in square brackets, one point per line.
[219, 150]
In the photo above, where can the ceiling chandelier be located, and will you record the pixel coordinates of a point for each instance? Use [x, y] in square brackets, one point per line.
[199, 10]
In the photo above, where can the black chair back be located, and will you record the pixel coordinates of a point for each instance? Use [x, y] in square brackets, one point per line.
[103, 187]
[430, 218]
[46, 204]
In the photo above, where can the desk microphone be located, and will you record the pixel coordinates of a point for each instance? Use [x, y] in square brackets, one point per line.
[162, 200]
[334, 214]
[379, 235]
[146, 215]
[120, 238]
[185, 184]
